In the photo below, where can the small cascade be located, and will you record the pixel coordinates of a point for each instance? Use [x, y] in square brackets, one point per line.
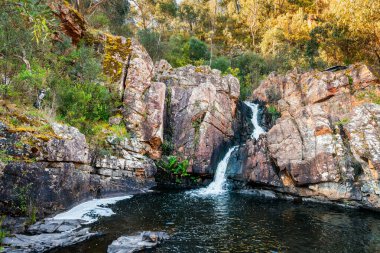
[219, 184]
[257, 128]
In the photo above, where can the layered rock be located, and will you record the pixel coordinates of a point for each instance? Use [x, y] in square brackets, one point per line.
[200, 110]
[326, 143]
[41, 174]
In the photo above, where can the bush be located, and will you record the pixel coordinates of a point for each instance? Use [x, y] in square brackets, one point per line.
[84, 103]
[272, 110]
[83, 65]
[174, 167]
[252, 69]
[197, 50]
[222, 63]
[99, 21]
[152, 42]
[174, 52]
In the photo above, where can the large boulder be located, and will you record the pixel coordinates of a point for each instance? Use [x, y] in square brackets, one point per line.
[200, 110]
[70, 146]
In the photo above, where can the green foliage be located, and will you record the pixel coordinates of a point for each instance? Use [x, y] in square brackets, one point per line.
[197, 50]
[5, 157]
[83, 65]
[175, 53]
[172, 165]
[252, 69]
[152, 42]
[99, 21]
[82, 104]
[342, 122]
[370, 95]
[272, 110]
[167, 148]
[3, 233]
[222, 63]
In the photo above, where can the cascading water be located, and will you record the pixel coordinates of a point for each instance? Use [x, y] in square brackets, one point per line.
[218, 185]
[257, 128]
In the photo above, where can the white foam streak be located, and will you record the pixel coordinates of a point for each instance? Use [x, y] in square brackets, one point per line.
[218, 186]
[257, 128]
[91, 210]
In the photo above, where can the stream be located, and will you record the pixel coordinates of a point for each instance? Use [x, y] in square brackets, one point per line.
[236, 222]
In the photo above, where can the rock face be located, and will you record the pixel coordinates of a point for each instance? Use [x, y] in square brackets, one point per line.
[200, 110]
[326, 143]
[56, 170]
[144, 100]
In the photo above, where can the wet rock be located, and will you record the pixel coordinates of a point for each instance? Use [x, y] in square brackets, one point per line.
[48, 226]
[129, 244]
[252, 162]
[45, 241]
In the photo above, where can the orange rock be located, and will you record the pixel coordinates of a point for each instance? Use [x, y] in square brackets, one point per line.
[322, 131]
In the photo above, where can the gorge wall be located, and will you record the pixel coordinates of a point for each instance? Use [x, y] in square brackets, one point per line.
[48, 166]
[326, 144]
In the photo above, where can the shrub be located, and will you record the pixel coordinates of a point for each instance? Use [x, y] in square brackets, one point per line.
[83, 104]
[174, 167]
[197, 50]
[152, 42]
[272, 110]
[99, 21]
[222, 63]
[83, 65]
[167, 148]
[174, 52]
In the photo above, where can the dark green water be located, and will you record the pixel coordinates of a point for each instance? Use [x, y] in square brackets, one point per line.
[237, 222]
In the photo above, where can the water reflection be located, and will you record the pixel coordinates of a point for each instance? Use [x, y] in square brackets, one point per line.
[235, 222]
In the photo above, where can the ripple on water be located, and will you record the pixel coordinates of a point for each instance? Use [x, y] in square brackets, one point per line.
[237, 223]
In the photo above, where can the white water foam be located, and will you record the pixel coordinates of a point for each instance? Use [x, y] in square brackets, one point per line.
[255, 111]
[218, 185]
[91, 210]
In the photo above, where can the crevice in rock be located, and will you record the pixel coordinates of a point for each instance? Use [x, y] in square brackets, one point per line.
[300, 135]
[168, 128]
[324, 99]
[350, 160]
[124, 83]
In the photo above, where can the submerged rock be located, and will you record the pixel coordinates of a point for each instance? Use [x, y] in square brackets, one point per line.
[130, 244]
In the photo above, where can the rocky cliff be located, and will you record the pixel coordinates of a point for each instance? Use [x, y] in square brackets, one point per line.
[47, 167]
[326, 143]
[200, 111]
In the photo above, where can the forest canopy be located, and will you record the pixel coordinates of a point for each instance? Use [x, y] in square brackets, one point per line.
[246, 38]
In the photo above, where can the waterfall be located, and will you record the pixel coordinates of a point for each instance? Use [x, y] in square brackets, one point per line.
[218, 185]
[257, 128]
